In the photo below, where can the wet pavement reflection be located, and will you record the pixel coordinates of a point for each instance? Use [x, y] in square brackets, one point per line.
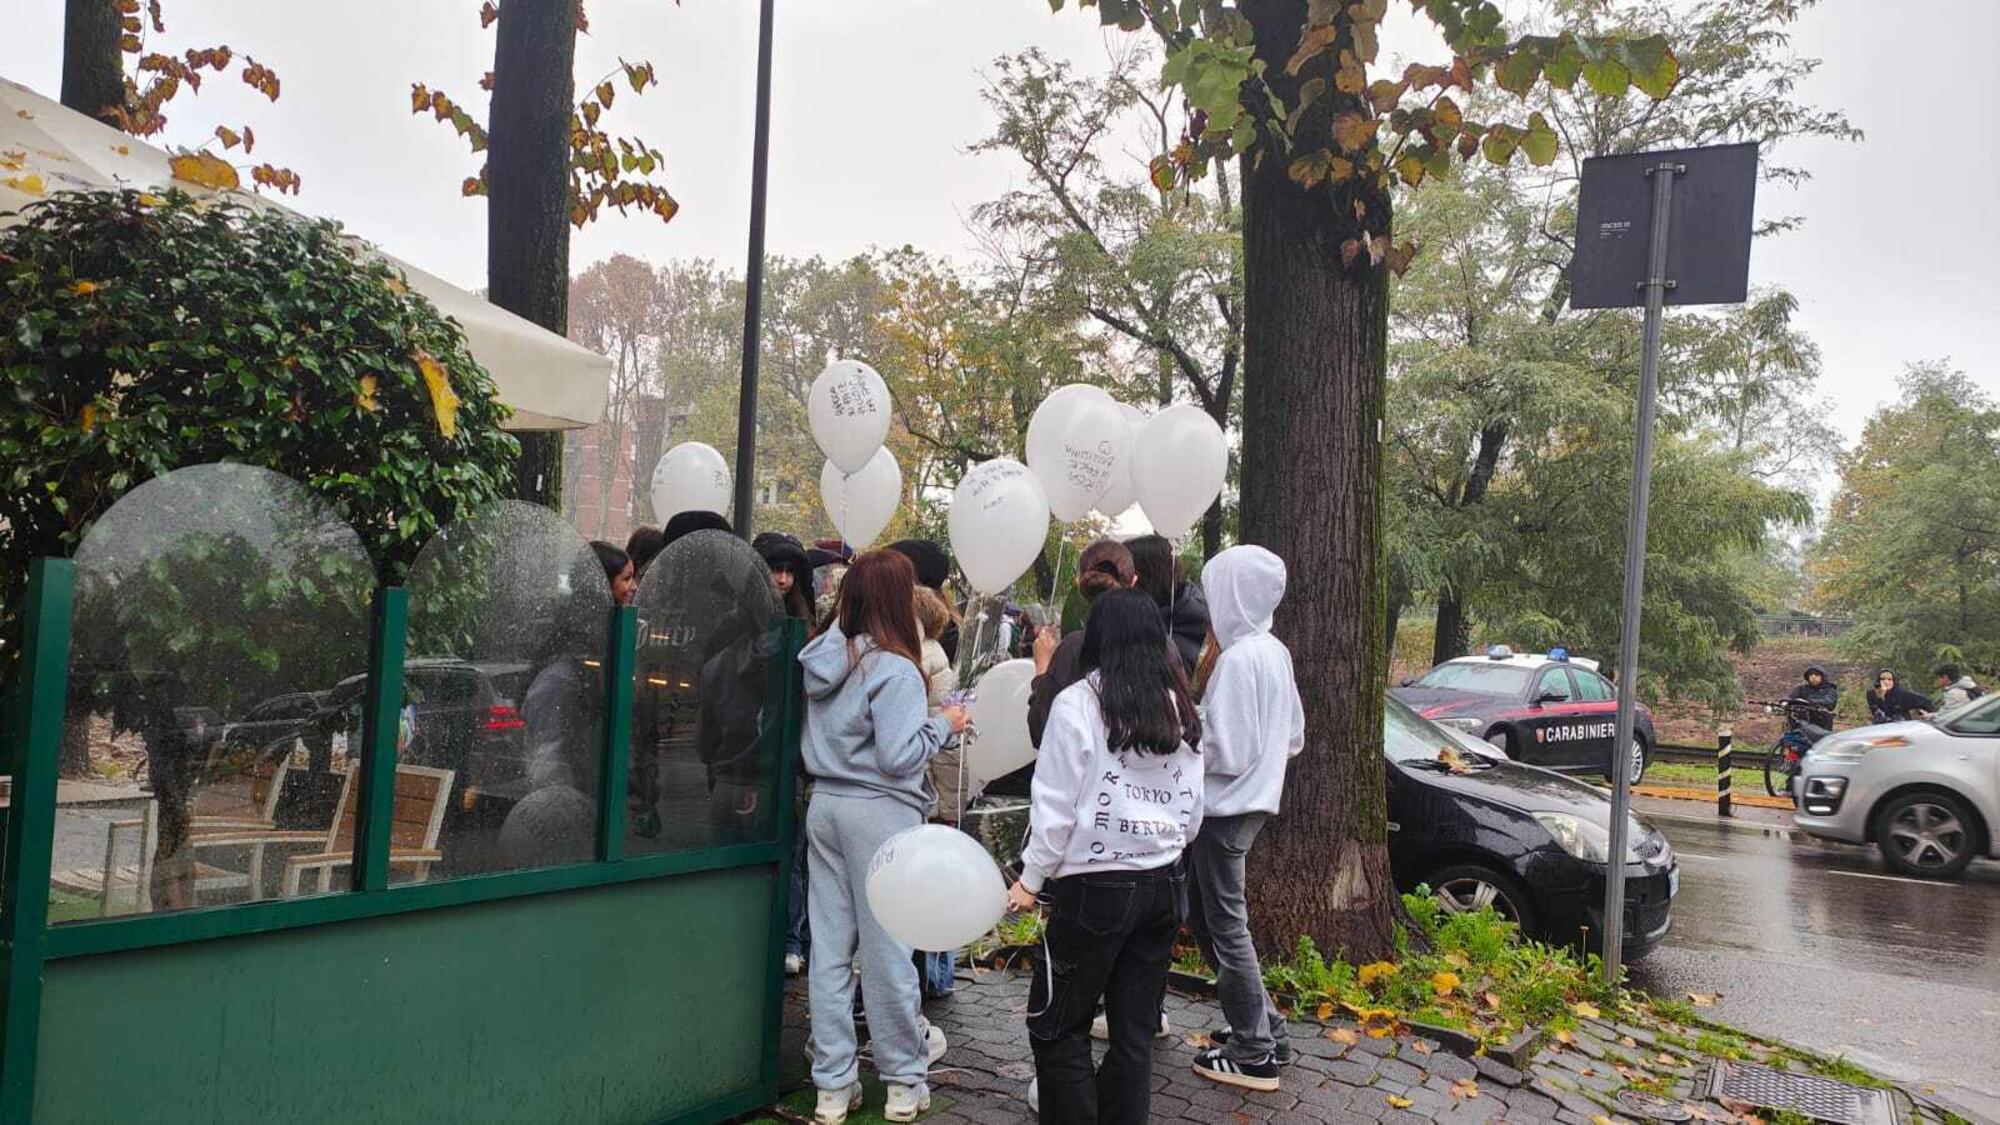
[1820, 945]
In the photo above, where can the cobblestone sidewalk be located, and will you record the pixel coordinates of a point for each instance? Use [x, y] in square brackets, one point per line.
[983, 1078]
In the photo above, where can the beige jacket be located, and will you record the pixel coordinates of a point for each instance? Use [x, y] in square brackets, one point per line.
[941, 680]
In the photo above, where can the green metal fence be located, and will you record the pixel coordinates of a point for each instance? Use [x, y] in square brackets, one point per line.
[629, 988]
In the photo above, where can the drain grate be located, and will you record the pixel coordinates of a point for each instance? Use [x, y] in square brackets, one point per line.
[1822, 1099]
[1648, 1106]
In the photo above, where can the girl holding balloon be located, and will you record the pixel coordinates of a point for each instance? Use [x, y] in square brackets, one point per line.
[1117, 798]
[868, 740]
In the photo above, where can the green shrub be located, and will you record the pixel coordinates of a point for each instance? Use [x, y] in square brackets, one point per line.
[142, 333]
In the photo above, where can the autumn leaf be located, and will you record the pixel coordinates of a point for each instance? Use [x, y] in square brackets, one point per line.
[1353, 132]
[1314, 41]
[83, 288]
[13, 159]
[1600, 1119]
[1540, 141]
[1701, 1000]
[1422, 1047]
[230, 138]
[1410, 166]
[205, 169]
[1325, 1011]
[1665, 1059]
[1160, 170]
[1565, 1036]
[1585, 1009]
[366, 398]
[29, 184]
[1346, 1036]
[1374, 971]
[1350, 78]
[1397, 1102]
[605, 92]
[1384, 94]
[1444, 983]
[149, 200]
[1307, 171]
[1447, 118]
[1465, 1088]
[1500, 143]
[1493, 1000]
[88, 418]
[1517, 72]
[444, 401]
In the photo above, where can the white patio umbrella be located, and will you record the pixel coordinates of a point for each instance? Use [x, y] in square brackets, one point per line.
[550, 382]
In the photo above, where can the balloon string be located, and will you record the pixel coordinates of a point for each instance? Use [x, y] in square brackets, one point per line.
[1055, 580]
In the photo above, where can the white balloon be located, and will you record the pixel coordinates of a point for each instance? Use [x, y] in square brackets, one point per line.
[999, 519]
[1119, 495]
[1179, 461]
[691, 477]
[999, 712]
[862, 504]
[1075, 449]
[849, 409]
[934, 888]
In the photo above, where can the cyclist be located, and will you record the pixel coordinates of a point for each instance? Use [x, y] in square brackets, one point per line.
[1820, 695]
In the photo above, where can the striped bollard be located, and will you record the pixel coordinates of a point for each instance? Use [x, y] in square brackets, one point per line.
[1722, 756]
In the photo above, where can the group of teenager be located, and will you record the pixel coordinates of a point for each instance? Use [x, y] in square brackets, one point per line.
[1164, 726]
[1888, 700]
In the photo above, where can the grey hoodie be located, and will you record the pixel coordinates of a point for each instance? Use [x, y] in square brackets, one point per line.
[868, 727]
[1252, 720]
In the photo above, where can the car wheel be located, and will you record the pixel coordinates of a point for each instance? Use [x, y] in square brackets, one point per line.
[1926, 834]
[1639, 759]
[1463, 888]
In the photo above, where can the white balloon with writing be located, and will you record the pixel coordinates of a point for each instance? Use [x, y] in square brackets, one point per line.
[862, 504]
[934, 888]
[999, 714]
[849, 410]
[1179, 461]
[691, 477]
[999, 519]
[1120, 495]
[1074, 441]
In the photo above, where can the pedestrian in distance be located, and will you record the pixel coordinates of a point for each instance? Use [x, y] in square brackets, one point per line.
[1254, 724]
[791, 573]
[868, 740]
[933, 565]
[643, 546]
[1820, 695]
[1117, 797]
[1182, 606]
[1890, 702]
[1955, 689]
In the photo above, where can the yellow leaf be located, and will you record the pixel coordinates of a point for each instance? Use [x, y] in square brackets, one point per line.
[1400, 1103]
[1600, 1119]
[230, 138]
[1585, 1009]
[206, 169]
[444, 402]
[366, 399]
[122, 150]
[83, 288]
[1421, 1047]
[1465, 1088]
[150, 200]
[1345, 1036]
[1493, 1000]
[1627, 1041]
[29, 184]
[1565, 1036]
[1666, 1059]
[1444, 983]
[1374, 971]
[1354, 132]
[1314, 41]
[1326, 1011]
[13, 159]
[89, 418]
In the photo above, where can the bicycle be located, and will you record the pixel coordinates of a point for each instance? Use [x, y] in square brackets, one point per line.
[1782, 763]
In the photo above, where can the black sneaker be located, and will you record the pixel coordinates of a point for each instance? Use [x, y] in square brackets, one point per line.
[1285, 1055]
[1259, 1074]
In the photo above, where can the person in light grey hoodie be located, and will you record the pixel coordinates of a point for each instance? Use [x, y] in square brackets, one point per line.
[1253, 724]
[868, 740]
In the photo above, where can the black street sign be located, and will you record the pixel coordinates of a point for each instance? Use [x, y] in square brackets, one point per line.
[1708, 247]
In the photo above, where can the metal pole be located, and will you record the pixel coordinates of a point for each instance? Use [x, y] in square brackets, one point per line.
[1656, 285]
[753, 290]
[1723, 777]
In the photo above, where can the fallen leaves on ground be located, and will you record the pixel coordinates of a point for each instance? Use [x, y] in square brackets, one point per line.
[1370, 973]
[1444, 983]
[1421, 1047]
[29, 184]
[1585, 1010]
[1346, 1036]
[1405, 1103]
[1703, 1000]
[1565, 1036]
[1464, 1088]
[1627, 1041]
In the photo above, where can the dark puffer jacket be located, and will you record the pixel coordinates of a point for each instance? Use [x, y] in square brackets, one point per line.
[1824, 699]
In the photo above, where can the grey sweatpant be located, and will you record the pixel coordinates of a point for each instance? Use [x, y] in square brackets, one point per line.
[1221, 919]
[842, 834]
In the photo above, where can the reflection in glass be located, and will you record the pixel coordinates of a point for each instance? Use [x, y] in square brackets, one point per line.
[703, 771]
[505, 688]
[218, 607]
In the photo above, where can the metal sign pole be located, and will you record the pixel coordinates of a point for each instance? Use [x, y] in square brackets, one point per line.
[1656, 286]
[753, 290]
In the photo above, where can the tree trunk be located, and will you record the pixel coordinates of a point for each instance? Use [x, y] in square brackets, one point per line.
[1211, 530]
[1453, 633]
[1315, 340]
[93, 74]
[528, 196]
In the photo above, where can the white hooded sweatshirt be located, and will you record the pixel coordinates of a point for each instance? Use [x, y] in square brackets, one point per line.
[1252, 719]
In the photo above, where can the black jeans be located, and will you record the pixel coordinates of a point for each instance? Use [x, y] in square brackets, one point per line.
[1110, 935]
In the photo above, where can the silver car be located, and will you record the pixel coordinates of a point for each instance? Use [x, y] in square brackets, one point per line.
[1926, 792]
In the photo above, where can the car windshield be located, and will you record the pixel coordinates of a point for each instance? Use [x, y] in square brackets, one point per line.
[1981, 716]
[1482, 677]
[1406, 737]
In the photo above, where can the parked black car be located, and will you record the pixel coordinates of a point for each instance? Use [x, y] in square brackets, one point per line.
[1549, 710]
[467, 720]
[1529, 842]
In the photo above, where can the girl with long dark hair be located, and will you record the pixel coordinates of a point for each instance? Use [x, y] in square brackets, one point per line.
[1117, 797]
[869, 738]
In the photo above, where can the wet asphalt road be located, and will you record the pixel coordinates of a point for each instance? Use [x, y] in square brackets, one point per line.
[1818, 944]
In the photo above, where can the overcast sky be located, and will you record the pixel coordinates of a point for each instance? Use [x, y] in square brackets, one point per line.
[876, 101]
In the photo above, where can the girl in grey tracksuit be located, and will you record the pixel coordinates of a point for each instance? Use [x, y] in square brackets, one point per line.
[868, 740]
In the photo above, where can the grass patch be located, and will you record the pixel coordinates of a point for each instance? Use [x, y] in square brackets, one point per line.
[65, 906]
[1688, 775]
[1470, 972]
[1840, 1070]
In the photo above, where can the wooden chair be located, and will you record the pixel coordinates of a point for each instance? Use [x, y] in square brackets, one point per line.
[235, 813]
[422, 794]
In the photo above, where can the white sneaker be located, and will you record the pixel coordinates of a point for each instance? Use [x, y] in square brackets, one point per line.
[934, 1045]
[1035, 1094]
[906, 1103]
[794, 964]
[1100, 1028]
[835, 1105]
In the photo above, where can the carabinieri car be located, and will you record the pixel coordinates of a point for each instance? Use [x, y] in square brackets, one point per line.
[1545, 709]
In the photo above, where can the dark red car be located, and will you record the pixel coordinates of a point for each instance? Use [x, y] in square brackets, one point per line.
[1547, 710]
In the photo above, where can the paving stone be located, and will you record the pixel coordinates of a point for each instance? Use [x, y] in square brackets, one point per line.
[1427, 1101]
[1381, 1048]
[1451, 1066]
[1319, 1046]
[1499, 1072]
[1396, 1070]
[1353, 1072]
